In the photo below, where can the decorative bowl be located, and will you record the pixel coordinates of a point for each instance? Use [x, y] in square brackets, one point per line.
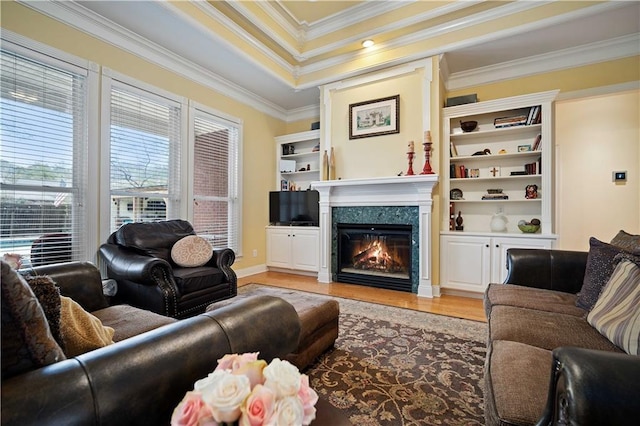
[468, 126]
[528, 228]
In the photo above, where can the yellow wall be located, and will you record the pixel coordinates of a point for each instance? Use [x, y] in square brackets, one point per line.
[259, 129]
[594, 137]
[586, 77]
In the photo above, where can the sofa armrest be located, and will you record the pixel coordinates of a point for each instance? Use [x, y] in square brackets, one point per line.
[141, 379]
[590, 387]
[223, 259]
[125, 264]
[80, 281]
[560, 270]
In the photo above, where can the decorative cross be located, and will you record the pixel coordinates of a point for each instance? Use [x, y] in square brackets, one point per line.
[494, 171]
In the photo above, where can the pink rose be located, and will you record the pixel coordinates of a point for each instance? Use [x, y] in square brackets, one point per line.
[258, 407]
[234, 361]
[309, 397]
[253, 370]
[192, 411]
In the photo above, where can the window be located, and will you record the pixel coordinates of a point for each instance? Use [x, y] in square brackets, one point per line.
[216, 199]
[43, 147]
[144, 158]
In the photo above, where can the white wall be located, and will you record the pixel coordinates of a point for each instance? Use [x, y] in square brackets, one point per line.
[594, 137]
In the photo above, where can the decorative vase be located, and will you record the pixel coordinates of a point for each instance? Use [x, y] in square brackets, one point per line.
[332, 165]
[325, 166]
[498, 223]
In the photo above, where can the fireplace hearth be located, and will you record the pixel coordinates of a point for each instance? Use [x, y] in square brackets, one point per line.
[377, 255]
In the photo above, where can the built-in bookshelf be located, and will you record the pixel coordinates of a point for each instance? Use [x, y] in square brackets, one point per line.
[298, 160]
[502, 167]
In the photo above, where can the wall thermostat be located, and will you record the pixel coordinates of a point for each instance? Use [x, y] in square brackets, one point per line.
[620, 176]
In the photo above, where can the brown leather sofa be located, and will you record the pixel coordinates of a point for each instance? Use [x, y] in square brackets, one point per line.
[546, 364]
[140, 379]
[138, 257]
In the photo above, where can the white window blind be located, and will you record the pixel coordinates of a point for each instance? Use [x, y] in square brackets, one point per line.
[144, 156]
[216, 209]
[43, 145]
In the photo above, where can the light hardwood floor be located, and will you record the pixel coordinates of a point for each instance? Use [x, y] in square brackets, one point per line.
[455, 306]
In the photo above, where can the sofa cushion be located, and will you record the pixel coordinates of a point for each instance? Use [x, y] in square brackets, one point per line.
[190, 280]
[616, 313]
[153, 238]
[82, 331]
[48, 295]
[191, 251]
[600, 266]
[532, 298]
[516, 383]
[128, 321]
[546, 330]
[27, 342]
[626, 241]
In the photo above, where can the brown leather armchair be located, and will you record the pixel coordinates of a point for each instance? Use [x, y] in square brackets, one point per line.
[138, 257]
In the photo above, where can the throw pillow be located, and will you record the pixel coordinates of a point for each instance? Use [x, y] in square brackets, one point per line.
[48, 295]
[626, 241]
[600, 266]
[191, 251]
[616, 313]
[27, 342]
[82, 331]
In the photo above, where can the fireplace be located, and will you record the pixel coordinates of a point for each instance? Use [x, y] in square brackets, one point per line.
[377, 255]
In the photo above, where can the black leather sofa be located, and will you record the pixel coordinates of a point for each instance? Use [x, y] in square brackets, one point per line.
[138, 257]
[139, 380]
[545, 364]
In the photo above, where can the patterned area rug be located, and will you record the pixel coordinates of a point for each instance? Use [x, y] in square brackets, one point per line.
[393, 366]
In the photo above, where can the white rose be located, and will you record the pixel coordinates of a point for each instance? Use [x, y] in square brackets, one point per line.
[282, 377]
[288, 412]
[224, 393]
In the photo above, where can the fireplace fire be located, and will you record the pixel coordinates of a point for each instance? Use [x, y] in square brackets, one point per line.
[375, 255]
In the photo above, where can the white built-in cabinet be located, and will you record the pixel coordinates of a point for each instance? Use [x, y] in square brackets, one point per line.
[471, 262]
[293, 248]
[298, 160]
[472, 258]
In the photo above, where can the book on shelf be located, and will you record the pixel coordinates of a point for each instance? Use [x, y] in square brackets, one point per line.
[534, 115]
[454, 151]
[531, 168]
[500, 196]
[536, 142]
[516, 120]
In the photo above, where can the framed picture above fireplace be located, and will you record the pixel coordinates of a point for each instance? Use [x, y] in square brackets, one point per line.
[374, 118]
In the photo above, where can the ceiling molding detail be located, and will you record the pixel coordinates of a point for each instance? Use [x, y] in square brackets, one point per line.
[76, 16]
[609, 50]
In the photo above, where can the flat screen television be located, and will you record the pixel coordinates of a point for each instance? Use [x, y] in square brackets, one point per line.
[294, 208]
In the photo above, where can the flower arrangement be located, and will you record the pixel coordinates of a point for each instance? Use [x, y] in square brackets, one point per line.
[246, 391]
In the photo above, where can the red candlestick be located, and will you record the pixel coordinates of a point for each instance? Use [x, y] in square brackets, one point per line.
[410, 154]
[426, 170]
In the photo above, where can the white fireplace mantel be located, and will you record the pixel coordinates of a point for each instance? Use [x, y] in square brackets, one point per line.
[390, 191]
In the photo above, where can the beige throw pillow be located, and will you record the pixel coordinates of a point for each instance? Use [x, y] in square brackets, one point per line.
[82, 331]
[191, 251]
[616, 313]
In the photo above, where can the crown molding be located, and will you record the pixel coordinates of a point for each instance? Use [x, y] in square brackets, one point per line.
[599, 91]
[80, 18]
[418, 36]
[603, 51]
[221, 19]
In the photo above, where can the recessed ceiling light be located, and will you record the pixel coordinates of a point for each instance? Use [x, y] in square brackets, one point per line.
[367, 43]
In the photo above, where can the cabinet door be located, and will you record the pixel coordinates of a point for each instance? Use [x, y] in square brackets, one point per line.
[304, 250]
[279, 248]
[465, 263]
[499, 253]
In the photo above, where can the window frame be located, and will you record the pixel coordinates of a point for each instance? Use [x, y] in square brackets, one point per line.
[196, 109]
[87, 155]
[111, 79]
